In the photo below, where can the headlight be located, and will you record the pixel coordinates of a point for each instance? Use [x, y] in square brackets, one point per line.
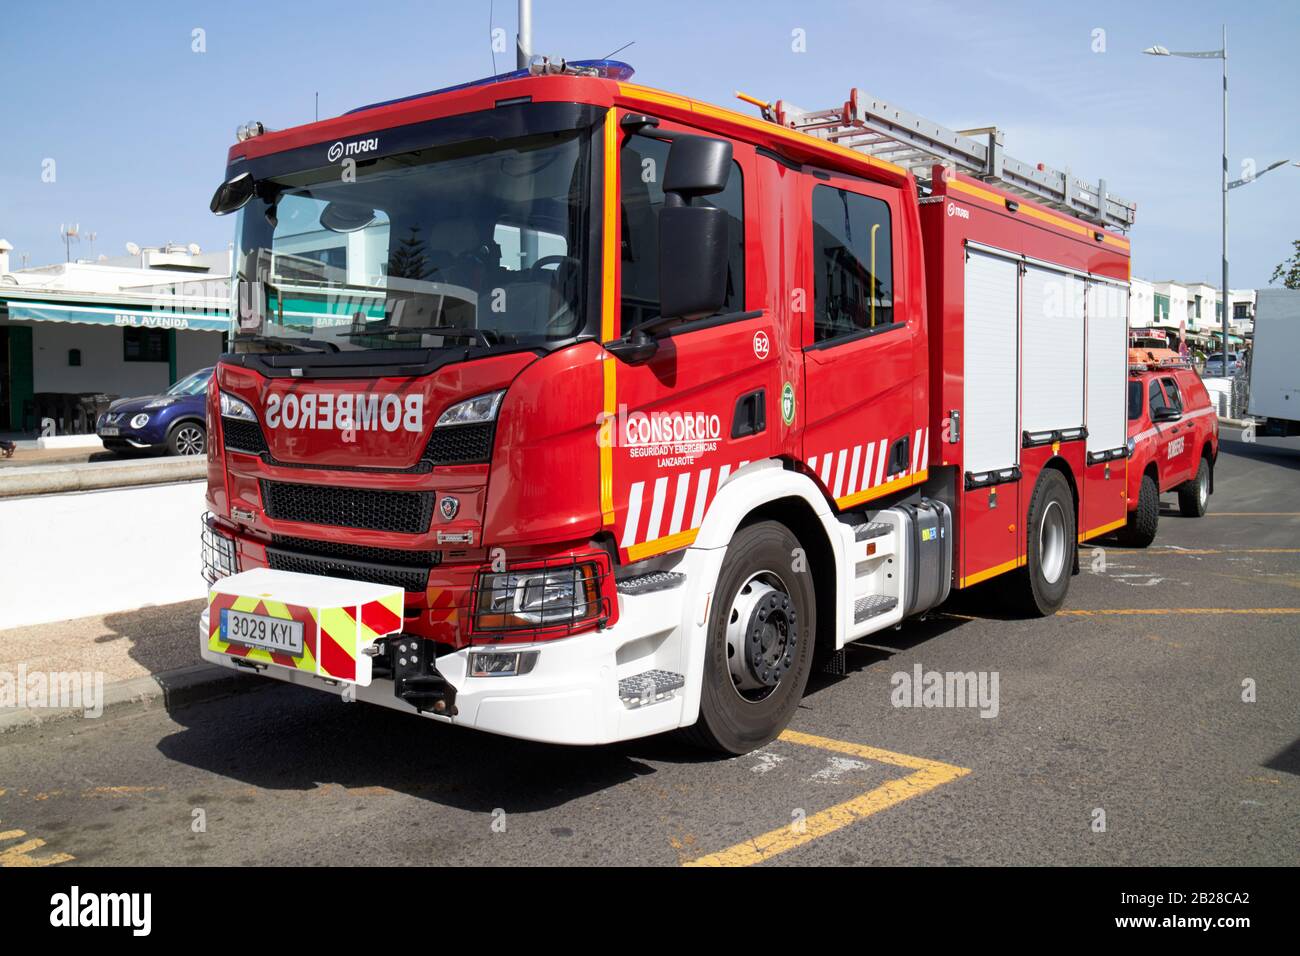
[546, 597]
[482, 408]
[161, 403]
[1130, 445]
[140, 421]
[232, 407]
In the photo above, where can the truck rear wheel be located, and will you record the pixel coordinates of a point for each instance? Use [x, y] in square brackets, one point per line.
[1045, 579]
[1143, 520]
[1194, 497]
[760, 642]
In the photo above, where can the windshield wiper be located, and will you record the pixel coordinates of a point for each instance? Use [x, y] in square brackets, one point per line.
[456, 330]
[283, 344]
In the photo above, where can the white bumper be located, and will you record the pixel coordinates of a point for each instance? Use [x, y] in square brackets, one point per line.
[571, 696]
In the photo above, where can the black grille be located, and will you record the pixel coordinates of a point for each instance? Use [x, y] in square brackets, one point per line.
[460, 444]
[408, 579]
[357, 552]
[240, 435]
[407, 512]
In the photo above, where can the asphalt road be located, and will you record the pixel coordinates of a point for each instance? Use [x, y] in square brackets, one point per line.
[1129, 704]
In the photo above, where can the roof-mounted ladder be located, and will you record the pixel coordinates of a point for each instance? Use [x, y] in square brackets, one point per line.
[871, 125]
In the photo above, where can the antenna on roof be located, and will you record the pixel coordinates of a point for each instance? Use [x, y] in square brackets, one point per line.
[524, 39]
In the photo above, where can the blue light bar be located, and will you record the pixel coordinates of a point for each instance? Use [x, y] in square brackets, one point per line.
[605, 69]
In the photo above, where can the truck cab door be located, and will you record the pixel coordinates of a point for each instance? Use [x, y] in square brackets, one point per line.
[1180, 440]
[1165, 454]
[704, 404]
[863, 437]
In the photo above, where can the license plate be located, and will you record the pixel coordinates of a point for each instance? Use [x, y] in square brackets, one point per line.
[258, 630]
[110, 430]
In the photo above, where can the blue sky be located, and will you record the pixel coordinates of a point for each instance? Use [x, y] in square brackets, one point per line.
[138, 124]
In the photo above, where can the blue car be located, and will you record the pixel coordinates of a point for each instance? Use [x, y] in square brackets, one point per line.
[174, 421]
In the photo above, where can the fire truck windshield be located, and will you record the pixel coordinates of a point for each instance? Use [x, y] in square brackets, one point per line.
[478, 244]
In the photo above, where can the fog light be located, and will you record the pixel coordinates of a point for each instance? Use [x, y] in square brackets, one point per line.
[501, 663]
[140, 421]
[219, 558]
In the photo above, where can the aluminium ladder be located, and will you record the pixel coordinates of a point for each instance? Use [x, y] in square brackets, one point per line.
[871, 125]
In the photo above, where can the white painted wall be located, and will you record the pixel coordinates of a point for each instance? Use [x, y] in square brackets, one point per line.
[1141, 304]
[196, 350]
[98, 552]
[102, 366]
[103, 369]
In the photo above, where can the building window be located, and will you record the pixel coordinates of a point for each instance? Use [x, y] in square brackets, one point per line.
[145, 345]
[1240, 310]
[642, 167]
[853, 270]
[1161, 309]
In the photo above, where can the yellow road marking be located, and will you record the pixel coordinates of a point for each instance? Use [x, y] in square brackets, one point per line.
[926, 775]
[20, 854]
[1252, 514]
[1157, 611]
[1198, 551]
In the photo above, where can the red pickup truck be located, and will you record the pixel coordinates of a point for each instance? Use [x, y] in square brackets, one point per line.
[1173, 440]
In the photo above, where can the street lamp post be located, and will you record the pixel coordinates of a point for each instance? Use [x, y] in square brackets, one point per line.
[1220, 54]
[1225, 185]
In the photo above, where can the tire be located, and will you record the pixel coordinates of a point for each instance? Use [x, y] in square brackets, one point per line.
[1194, 496]
[1145, 519]
[187, 438]
[1051, 540]
[757, 591]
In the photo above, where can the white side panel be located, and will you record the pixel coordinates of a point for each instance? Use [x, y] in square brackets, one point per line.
[1053, 347]
[989, 430]
[1274, 376]
[1107, 366]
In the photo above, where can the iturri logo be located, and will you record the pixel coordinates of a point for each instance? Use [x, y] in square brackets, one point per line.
[358, 147]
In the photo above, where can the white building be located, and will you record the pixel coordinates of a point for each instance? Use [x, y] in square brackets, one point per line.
[126, 326]
[1141, 304]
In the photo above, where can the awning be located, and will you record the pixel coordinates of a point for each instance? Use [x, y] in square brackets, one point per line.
[179, 321]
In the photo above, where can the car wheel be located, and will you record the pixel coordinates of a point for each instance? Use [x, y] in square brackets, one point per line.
[1145, 519]
[1045, 579]
[760, 643]
[187, 438]
[1194, 496]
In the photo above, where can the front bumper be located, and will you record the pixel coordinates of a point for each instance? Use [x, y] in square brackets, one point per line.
[572, 694]
[131, 438]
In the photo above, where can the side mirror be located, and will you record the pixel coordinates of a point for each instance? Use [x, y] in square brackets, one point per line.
[693, 239]
[233, 194]
[692, 261]
[697, 166]
[1165, 414]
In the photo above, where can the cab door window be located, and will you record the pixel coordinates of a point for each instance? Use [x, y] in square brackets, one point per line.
[642, 165]
[1157, 400]
[1173, 395]
[853, 272]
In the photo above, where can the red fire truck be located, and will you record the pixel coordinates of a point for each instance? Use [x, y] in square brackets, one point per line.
[569, 409]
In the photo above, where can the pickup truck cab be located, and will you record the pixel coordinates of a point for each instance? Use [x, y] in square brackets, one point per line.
[1173, 440]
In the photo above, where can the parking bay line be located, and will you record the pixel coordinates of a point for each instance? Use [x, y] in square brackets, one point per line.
[1158, 611]
[926, 776]
[21, 854]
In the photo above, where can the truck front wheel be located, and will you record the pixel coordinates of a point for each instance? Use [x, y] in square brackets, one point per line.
[1045, 579]
[1145, 518]
[760, 642]
[1194, 496]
